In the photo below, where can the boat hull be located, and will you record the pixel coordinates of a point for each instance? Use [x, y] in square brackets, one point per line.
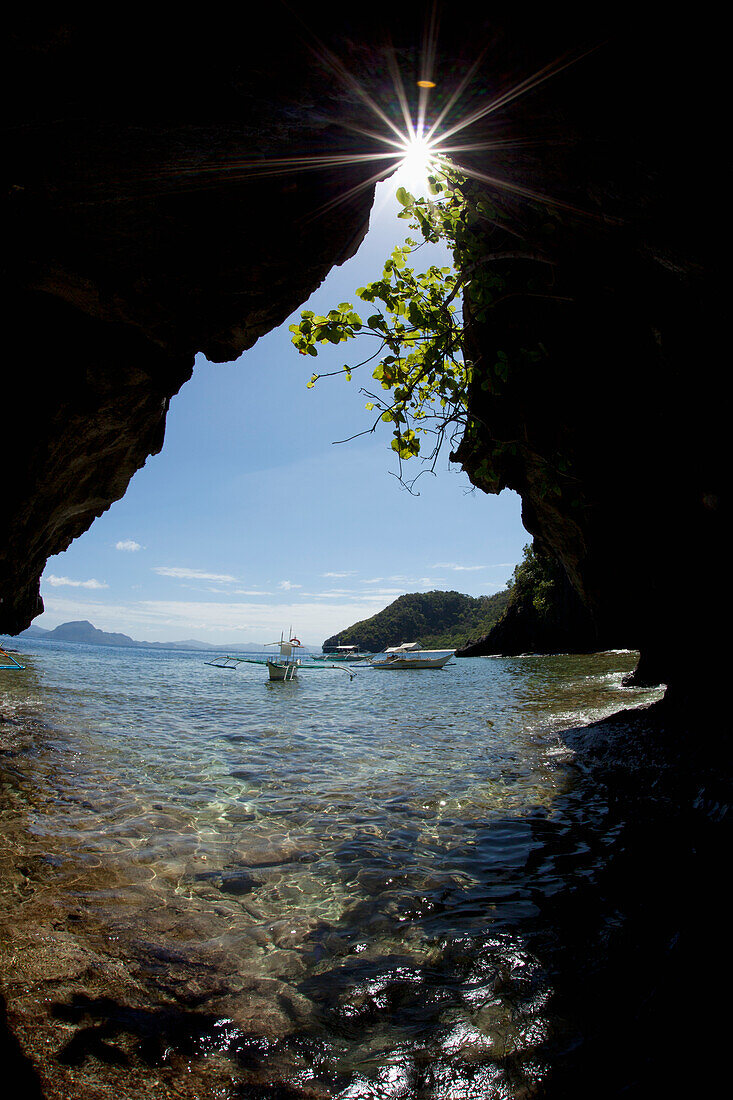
[282, 672]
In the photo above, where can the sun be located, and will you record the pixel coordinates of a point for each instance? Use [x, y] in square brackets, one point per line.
[418, 161]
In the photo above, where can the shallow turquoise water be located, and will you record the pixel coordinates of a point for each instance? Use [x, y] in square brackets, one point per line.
[327, 884]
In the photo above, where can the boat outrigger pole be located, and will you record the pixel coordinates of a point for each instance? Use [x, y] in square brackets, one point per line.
[13, 662]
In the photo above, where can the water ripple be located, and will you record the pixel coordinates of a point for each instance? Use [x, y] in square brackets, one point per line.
[332, 887]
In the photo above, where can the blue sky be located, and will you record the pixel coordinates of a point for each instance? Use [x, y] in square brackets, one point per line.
[252, 520]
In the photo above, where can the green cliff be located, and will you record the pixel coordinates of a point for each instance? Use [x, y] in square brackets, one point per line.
[447, 619]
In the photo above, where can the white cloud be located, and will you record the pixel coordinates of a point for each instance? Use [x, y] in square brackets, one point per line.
[58, 582]
[408, 584]
[192, 574]
[351, 573]
[286, 586]
[458, 568]
[333, 593]
[381, 596]
[128, 544]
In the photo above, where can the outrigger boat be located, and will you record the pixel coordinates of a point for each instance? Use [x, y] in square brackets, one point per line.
[411, 655]
[285, 666]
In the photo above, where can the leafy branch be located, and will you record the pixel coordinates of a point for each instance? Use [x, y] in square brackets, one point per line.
[422, 370]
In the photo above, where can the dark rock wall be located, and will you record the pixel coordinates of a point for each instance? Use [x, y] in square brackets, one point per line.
[144, 224]
[608, 420]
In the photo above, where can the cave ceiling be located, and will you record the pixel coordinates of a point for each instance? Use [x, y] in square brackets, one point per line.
[153, 212]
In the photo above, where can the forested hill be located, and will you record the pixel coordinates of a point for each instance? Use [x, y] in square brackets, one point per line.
[446, 619]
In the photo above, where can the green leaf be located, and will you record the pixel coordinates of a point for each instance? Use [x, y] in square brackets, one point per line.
[415, 314]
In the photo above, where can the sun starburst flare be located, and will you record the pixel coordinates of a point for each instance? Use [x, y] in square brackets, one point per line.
[413, 147]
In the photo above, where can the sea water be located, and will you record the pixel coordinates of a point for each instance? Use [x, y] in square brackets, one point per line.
[215, 886]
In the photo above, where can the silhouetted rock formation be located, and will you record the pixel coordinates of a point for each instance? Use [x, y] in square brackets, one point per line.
[144, 227]
[609, 421]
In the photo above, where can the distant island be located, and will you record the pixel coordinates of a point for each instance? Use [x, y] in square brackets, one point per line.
[82, 631]
[445, 620]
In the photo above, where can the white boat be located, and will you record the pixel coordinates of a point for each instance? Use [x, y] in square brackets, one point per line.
[411, 655]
